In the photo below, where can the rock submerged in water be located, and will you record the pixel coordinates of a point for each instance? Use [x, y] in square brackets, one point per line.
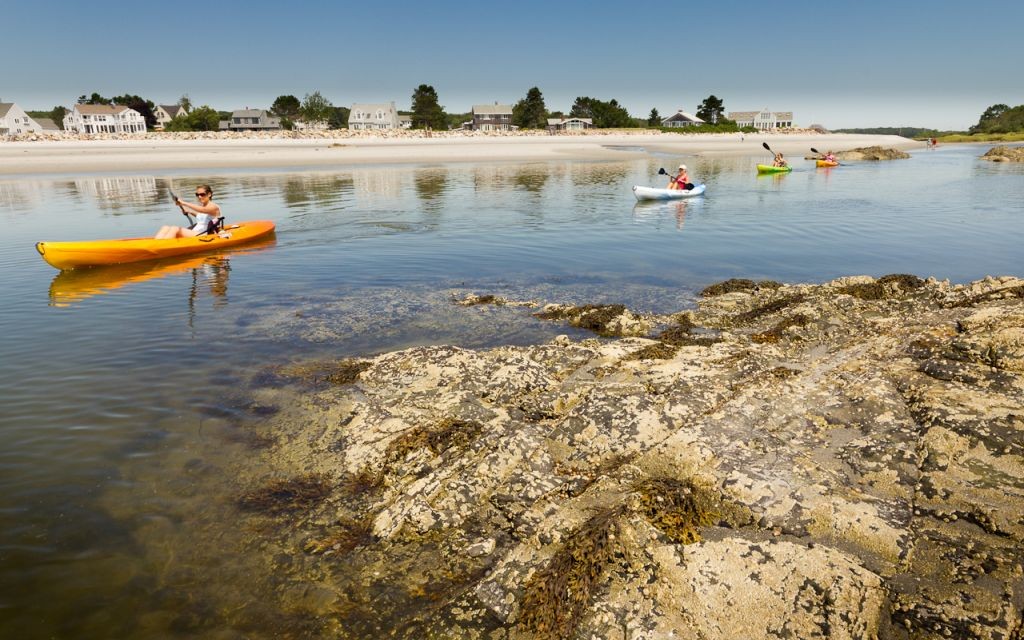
[872, 153]
[1004, 153]
[857, 474]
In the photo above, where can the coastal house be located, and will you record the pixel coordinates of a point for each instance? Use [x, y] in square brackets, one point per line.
[104, 118]
[763, 120]
[14, 120]
[404, 122]
[250, 120]
[373, 115]
[47, 124]
[681, 119]
[559, 125]
[492, 117]
[164, 113]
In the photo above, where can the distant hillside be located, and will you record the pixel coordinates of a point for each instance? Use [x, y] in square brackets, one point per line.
[906, 132]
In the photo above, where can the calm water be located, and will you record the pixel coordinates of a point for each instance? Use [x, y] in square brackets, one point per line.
[123, 392]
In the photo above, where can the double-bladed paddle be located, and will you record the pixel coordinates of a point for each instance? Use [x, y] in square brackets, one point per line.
[769, 149]
[813, 150]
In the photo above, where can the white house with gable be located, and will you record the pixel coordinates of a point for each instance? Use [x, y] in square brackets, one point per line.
[104, 118]
[373, 115]
[164, 113]
[14, 120]
[763, 120]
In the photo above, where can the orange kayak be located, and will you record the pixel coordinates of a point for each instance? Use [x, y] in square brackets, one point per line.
[826, 163]
[92, 253]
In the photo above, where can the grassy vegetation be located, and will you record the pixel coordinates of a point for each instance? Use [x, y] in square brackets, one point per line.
[983, 137]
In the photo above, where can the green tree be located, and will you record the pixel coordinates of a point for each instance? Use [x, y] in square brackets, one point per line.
[426, 112]
[57, 115]
[456, 120]
[530, 112]
[200, 119]
[185, 102]
[989, 118]
[711, 110]
[95, 98]
[286, 107]
[316, 108]
[654, 120]
[338, 118]
[604, 115]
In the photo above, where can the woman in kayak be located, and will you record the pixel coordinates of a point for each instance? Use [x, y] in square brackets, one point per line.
[829, 157]
[779, 161]
[680, 181]
[206, 212]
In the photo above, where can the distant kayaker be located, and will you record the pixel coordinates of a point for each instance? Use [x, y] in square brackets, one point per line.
[829, 157]
[681, 180]
[206, 212]
[779, 161]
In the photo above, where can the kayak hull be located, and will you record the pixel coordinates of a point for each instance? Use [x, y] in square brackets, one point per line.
[826, 163]
[767, 168]
[650, 193]
[93, 253]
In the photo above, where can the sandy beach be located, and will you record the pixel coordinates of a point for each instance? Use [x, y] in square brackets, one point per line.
[155, 152]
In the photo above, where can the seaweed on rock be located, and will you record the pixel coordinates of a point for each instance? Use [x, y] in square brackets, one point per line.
[558, 596]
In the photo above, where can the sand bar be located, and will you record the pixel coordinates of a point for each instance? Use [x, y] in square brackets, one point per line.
[152, 154]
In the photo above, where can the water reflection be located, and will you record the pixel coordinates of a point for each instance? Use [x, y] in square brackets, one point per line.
[654, 209]
[321, 191]
[531, 178]
[592, 175]
[386, 182]
[22, 196]
[121, 193]
[211, 270]
[431, 184]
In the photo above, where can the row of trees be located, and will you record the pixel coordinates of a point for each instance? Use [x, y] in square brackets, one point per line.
[1000, 118]
[427, 113]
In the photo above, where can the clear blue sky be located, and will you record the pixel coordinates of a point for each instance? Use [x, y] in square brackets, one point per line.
[837, 63]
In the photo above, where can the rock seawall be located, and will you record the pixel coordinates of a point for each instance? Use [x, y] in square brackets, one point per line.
[835, 461]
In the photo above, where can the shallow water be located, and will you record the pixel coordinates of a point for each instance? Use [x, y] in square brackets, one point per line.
[125, 416]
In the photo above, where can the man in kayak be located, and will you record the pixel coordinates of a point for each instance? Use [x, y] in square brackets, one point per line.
[779, 161]
[680, 181]
[206, 212]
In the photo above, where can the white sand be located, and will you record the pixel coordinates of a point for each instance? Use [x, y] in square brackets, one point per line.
[76, 156]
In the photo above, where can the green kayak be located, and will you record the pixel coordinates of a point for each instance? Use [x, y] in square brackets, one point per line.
[767, 168]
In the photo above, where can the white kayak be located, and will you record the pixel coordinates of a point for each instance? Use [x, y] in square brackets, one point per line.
[650, 193]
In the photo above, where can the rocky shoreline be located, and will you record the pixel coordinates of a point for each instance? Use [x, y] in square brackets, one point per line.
[363, 134]
[842, 460]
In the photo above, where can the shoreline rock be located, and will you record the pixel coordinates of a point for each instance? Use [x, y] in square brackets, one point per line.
[1004, 153]
[842, 460]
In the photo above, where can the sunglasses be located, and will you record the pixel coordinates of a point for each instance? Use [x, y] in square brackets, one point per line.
[201, 195]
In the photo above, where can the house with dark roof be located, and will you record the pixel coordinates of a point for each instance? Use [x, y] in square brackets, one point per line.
[14, 120]
[164, 113]
[104, 118]
[681, 119]
[251, 120]
[492, 117]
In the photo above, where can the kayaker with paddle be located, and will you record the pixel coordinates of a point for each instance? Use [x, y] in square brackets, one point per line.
[680, 181]
[779, 161]
[207, 212]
